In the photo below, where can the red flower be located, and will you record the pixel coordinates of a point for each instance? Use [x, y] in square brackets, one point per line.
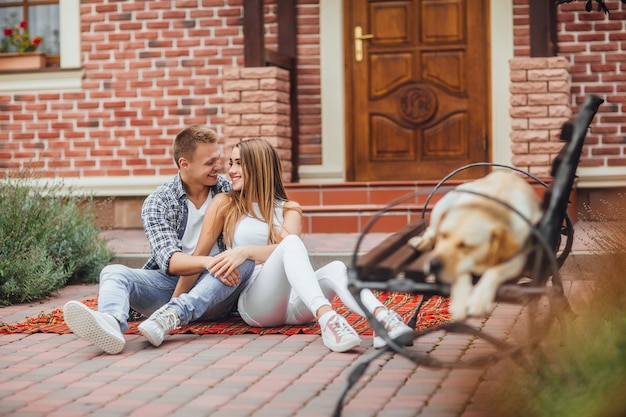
[17, 39]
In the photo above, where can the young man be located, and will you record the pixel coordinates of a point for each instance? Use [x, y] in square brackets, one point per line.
[172, 219]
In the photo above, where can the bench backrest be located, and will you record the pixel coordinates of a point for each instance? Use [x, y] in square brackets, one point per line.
[564, 168]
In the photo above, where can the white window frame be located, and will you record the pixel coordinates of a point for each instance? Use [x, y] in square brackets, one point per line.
[70, 74]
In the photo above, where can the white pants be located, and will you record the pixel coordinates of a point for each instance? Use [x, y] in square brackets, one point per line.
[286, 290]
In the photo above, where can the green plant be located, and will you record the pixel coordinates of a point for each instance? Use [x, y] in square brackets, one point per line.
[48, 238]
[17, 39]
[582, 374]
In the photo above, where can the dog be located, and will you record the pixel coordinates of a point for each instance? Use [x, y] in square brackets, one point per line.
[471, 236]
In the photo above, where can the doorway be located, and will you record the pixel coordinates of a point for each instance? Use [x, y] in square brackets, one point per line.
[417, 88]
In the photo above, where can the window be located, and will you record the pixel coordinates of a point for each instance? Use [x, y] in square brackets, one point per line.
[67, 73]
[42, 17]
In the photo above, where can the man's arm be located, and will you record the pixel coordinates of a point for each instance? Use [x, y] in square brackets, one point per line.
[161, 215]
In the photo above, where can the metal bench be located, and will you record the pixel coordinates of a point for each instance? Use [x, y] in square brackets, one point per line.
[394, 265]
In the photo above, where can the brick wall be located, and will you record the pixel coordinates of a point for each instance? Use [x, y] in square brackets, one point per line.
[594, 44]
[521, 28]
[151, 68]
[540, 97]
[257, 102]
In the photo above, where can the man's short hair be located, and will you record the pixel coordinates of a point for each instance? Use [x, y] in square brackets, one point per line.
[187, 140]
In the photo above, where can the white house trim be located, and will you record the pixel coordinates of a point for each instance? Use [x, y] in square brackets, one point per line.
[601, 177]
[501, 51]
[136, 186]
[333, 167]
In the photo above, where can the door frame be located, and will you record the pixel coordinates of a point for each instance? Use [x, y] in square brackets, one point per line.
[334, 137]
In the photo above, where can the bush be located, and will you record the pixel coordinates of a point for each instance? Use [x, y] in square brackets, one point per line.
[48, 238]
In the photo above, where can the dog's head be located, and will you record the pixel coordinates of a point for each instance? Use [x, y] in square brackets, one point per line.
[468, 241]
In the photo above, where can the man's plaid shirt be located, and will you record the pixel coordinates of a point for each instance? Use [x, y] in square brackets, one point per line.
[164, 215]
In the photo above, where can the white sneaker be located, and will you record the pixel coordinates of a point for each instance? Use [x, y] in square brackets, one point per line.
[101, 329]
[161, 322]
[395, 328]
[338, 335]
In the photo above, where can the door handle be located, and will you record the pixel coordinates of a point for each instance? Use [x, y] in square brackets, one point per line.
[358, 42]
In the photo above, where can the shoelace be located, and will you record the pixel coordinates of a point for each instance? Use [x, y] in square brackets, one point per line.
[167, 319]
[392, 320]
[340, 326]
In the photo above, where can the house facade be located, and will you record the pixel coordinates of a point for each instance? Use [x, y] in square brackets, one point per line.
[133, 73]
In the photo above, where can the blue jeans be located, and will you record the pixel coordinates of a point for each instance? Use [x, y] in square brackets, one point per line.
[147, 290]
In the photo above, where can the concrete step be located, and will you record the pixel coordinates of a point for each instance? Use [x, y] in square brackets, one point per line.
[131, 247]
[348, 207]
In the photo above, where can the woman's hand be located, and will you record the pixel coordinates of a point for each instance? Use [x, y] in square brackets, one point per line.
[224, 265]
[231, 279]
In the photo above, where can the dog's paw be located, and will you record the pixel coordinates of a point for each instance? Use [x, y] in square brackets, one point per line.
[417, 242]
[482, 301]
[458, 310]
[422, 243]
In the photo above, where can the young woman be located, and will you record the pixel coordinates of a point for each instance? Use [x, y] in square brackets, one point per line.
[260, 223]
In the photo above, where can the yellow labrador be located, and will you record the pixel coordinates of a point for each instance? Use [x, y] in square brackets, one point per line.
[473, 235]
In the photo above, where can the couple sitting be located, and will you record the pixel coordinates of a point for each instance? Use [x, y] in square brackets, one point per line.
[215, 245]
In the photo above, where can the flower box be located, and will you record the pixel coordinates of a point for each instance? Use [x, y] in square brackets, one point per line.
[12, 61]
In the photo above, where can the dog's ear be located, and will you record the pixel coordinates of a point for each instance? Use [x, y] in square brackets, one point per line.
[502, 246]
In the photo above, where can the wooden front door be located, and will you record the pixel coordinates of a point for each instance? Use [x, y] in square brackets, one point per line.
[418, 95]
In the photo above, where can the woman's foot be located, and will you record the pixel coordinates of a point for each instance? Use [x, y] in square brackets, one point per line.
[337, 334]
[396, 329]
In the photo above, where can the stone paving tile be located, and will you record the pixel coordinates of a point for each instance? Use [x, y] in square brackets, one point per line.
[249, 375]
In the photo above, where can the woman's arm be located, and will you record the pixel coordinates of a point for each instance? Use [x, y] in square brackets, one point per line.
[292, 215]
[212, 224]
[230, 259]
[189, 267]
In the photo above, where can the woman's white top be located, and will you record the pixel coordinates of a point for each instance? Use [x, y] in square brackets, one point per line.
[251, 231]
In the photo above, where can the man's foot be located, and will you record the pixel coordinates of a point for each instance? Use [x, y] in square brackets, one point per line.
[161, 322]
[101, 329]
[338, 335]
[396, 329]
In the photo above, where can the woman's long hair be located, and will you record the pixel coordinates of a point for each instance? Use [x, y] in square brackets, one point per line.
[263, 185]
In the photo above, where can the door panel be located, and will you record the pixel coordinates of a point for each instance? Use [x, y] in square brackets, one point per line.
[418, 98]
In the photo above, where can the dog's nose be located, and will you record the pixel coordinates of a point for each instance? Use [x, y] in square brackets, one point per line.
[435, 265]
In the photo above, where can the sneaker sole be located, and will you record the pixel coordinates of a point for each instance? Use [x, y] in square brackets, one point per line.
[82, 323]
[405, 339]
[148, 336]
[345, 347]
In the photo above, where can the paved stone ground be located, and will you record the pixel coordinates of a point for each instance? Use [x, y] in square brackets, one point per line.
[248, 375]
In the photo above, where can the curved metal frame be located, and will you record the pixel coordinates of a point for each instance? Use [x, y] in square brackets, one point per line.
[504, 349]
[563, 172]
